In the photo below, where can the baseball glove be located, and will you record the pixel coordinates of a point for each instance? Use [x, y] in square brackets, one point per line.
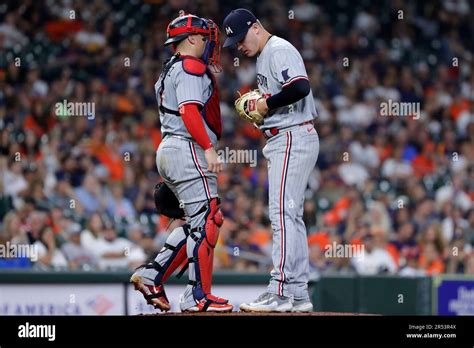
[246, 106]
[166, 202]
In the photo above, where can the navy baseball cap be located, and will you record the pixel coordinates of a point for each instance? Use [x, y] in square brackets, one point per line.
[236, 25]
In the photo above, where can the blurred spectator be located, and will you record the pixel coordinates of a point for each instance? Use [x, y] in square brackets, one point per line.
[13, 230]
[430, 259]
[363, 152]
[49, 255]
[91, 237]
[318, 261]
[432, 235]
[454, 192]
[90, 195]
[10, 34]
[138, 236]
[89, 39]
[13, 181]
[117, 252]
[456, 254]
[404, 245]
[64, 197]
[412, 266]
[118, 205]
[375, 260]
[469, 264]
[396, 168]
[78, 257]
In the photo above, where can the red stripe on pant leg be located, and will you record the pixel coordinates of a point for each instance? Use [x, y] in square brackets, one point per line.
[282, 218]
[206, 185]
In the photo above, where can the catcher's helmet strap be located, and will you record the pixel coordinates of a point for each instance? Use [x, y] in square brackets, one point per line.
[187, 30]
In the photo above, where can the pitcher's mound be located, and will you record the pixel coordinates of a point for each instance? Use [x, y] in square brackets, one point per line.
[245, 314]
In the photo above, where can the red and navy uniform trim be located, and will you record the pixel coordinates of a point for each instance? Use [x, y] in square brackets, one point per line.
[284, 175]
[200, 171]
[199, 103]
[293, 79]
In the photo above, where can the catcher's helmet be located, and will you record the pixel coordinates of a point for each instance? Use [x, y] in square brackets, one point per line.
[186, 25]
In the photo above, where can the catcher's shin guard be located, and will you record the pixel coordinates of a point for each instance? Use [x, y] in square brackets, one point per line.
[173, 253]
[202, 241]
[205, 250]
[149, 278]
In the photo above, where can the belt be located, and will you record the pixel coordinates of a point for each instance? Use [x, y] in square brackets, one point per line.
[171, 135]
[271, 132]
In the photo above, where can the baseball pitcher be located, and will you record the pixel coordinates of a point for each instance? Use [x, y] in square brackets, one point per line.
[283, 108]
[187, 161]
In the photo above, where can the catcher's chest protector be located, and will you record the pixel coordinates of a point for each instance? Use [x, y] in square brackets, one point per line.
[211, 111]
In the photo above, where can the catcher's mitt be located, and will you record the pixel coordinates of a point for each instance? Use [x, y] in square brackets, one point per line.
[166, 202]
[246, 106]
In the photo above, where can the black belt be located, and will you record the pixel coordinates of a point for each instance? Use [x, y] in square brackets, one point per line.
[166, 134]
[165, 110]
[271, 132]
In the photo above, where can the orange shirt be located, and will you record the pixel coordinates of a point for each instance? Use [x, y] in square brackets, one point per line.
[422, 166]
[338, 211]
[394, 253]
[154, 134]
[32, 125]
[434, 267]
[260, 237]
[319, 238]
[385, 152]
[110, 159]
[125, 105]
[456, 109]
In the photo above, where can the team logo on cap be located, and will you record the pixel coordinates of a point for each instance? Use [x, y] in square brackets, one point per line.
[228, 30]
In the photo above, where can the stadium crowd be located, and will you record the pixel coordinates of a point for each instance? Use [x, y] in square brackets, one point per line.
[80, 189]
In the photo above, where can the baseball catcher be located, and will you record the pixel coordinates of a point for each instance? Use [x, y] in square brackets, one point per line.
[188, 101]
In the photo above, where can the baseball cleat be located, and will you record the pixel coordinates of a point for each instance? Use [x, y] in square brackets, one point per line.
[268, 302]
[154, 294]
[210, 303]
[302, 306]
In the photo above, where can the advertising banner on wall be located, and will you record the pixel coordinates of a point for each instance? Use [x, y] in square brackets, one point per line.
[453, 295]
[101, 299]
[62, 299]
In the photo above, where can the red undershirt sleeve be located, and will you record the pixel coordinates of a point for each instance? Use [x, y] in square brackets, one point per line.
[195, 124]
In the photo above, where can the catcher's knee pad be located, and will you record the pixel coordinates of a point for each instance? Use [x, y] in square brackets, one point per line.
[203, 253]
[174, 251]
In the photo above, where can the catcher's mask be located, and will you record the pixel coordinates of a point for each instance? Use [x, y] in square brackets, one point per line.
[186, 25]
